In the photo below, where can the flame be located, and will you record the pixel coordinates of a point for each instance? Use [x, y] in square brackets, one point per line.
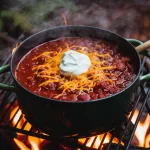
[147, 141]
[35, 142]
[98, 140]
[135, 116]
[27, 127]
[21, 145]
[13, 50]
[16, 117]
[64, 18]
[141, 130]
[140, 133]
[89, 143]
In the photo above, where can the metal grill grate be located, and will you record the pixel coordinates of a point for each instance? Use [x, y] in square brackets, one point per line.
[8, 102]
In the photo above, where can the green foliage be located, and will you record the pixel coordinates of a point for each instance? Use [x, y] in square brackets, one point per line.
[34, 14]
[19, 19]
[1, 25]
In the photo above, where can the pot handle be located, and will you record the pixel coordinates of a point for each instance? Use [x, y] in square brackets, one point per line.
[145, 52]
[3, 86]
[136, 43]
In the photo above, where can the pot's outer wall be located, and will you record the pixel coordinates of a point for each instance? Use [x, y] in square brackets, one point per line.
[69, 119]
[82, 119]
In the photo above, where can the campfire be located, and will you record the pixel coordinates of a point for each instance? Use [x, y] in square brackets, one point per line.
[27, 137]
[26, 142]
[141, 134]
[133, 134]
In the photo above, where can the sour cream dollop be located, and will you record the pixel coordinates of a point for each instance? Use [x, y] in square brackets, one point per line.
[74, 63]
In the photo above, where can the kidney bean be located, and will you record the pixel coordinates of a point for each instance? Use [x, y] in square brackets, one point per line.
[126, 59]
[101, 96]
[98, 90]
[65, 97]
[93, 96]
[120, 85]
[120, 66]
[126, 83]
[112, 90]
[128, 77]
[103, 85]
[84, 97]
[41, 60]
[73, 97]
[51, 86]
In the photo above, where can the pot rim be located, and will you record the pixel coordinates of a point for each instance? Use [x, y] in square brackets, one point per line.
[73, 102]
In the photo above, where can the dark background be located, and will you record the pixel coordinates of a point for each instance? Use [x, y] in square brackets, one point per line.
[21, 18]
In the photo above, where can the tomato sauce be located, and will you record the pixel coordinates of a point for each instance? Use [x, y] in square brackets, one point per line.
[123, 73]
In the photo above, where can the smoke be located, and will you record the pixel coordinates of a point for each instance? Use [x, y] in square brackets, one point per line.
[129, 19]
[126, 19]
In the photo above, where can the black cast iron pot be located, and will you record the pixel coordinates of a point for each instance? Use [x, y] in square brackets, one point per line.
[63, 119]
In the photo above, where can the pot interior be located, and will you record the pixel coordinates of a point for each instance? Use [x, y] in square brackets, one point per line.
[76, 31]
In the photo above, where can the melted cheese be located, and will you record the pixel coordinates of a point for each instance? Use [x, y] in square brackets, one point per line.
[49, 71]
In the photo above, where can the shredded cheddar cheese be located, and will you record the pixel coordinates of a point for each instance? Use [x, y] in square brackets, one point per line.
[49, 71]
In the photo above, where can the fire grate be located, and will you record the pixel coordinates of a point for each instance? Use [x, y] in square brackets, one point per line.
[8, 121]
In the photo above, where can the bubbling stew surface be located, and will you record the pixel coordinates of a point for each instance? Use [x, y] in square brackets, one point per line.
[110, 71]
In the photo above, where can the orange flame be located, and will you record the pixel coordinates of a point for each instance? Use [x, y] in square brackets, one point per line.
[17, 115]
[34, 142]
[64, 18]
[13, 50]
[147, 140]
[21, 145]
[99, 140]
[140, 133]
[141, 130]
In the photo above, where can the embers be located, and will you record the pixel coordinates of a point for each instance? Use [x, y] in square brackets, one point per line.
[15, 121]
